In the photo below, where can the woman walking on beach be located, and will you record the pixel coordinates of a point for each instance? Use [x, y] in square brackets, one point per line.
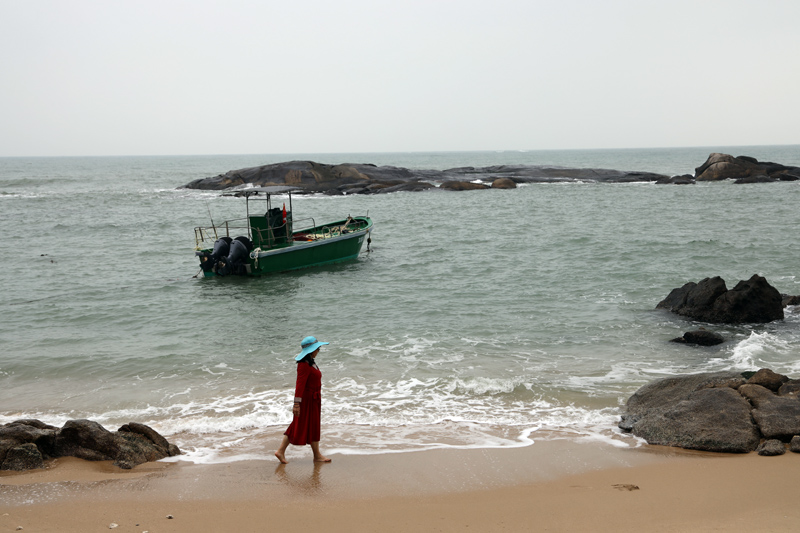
[304, 428]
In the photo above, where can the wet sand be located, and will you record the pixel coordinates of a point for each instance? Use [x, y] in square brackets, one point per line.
[549, 486]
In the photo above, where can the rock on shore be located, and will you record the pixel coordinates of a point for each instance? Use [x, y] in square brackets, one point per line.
[718, 412]
[26, 444]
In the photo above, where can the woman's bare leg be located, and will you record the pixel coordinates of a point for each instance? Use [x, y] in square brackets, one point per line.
[318, 457]
[280, 453]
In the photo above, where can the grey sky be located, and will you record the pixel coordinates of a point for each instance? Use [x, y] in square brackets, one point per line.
[99, 77]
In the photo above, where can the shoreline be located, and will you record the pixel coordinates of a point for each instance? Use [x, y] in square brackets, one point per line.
[553, 485]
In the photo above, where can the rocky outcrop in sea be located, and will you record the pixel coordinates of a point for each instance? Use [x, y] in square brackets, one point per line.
[718, 412]
[750, 301]
[371, 179]
[744, 169]
[363, 178]
[26, 444]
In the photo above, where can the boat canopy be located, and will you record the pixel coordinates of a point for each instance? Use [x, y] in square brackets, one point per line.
[275, 189]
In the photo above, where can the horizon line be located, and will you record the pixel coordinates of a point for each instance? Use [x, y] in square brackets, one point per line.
[403, 152]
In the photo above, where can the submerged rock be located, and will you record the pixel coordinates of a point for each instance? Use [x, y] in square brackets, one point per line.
[790, 300]
[751, 301]
[684, 179]
[131, 445]
[701, 337]
[462, 186]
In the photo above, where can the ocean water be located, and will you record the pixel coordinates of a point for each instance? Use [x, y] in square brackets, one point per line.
[478, 319]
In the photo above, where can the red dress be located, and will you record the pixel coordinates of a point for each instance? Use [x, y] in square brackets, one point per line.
[304, 428]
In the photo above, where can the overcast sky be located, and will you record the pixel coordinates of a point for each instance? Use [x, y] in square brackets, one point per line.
[101, 77]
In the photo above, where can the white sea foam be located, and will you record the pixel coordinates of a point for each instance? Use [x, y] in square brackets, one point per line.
[413, 415]
[26, 195]
[752, 352]
[619, 373]
[396, 426]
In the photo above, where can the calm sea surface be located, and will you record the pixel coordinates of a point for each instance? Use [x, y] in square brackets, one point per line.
[479, 319]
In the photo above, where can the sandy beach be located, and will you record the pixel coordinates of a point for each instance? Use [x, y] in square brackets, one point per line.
[549, 486]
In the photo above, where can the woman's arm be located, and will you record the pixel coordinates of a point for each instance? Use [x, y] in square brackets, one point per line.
[303, 371]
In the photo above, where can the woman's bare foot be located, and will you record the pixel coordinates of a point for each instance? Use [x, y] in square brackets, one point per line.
[318, 457]
[281, 458]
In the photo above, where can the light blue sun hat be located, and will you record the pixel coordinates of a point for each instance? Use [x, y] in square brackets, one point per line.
[309, 344]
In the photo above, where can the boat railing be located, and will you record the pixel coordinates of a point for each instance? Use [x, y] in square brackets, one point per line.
[304, 224]
[205, 236]
[315, 233]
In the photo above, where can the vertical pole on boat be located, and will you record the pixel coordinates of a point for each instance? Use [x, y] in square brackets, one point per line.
[247, 213]
[290, 230]
[212, 223]
[270, 232]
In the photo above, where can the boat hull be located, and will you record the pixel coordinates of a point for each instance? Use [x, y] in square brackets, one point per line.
[310, 254]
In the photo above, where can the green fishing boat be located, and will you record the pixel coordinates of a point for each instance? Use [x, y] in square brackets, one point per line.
[269, 240]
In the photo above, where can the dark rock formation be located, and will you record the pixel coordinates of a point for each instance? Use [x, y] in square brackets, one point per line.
[790, 388]
[131, 445]
[700, 337]
[789, 300]
[23, 457]
[371, 179]
[719, 412]
[743, 169]
[701, 412]
[768, 379]
[778, 417]
[759, 178]
[462, 186]
[667, 391]
[504, 183]
[19, 433]
[363, 178]
[751, 301]
[411, 186]
[794, 445]
[771, 447]
[85, 439]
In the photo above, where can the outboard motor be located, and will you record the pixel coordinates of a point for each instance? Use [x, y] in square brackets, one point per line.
[234, 263]
[221, 249]
[247, 242]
